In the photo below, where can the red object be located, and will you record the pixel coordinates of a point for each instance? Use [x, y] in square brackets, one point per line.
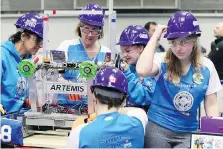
[36, 59]
[54, 11]
[45, 19]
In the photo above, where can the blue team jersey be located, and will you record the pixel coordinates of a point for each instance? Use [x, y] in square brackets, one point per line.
[75, 52]
[140, 90]
[14, 87]
[174, 106]
[111, 130]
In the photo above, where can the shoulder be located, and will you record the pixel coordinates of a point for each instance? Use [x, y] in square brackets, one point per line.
[4, 50]
[207, 63]
[74, 137]
[66, 43]
[105, 49]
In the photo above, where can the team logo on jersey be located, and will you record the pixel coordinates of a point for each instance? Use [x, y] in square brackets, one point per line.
[198, 78]
[21, 86]
[175, 80]
[183, 101]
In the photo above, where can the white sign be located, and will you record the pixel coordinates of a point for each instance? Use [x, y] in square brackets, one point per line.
[66, 88]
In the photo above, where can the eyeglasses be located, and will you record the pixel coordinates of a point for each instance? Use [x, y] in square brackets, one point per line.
[38, 40]
[184, 42]
[94, 32]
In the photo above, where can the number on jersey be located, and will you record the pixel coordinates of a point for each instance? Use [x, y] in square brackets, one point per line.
[6, 132]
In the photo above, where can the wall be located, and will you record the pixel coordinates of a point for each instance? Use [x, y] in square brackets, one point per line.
[62, 28]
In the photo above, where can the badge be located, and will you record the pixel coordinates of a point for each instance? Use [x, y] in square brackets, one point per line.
[183, 101]
[198, 78]
[176, 80]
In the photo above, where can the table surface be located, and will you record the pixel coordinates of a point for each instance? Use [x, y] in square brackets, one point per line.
[46, 141]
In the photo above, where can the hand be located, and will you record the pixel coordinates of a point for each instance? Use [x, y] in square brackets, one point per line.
[2, 109]
[160, 29]
[79, 121]
[120, 63]
[123, 66]
[91, 117]
[83, 119]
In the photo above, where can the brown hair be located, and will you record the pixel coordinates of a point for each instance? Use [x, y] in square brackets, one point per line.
[78, 31]
[174, 70]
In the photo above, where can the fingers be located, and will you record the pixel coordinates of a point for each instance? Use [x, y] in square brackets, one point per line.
[160, 29]
[2, 109]
[78, 121]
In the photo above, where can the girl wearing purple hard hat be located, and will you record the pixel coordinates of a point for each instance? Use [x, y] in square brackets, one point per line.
[184, 79]
[21, 45]
[132, 42]
[85, 48]
[114, 125]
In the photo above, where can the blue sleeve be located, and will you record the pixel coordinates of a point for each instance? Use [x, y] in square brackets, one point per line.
[71, 75]
[140, 91]
[2, 71]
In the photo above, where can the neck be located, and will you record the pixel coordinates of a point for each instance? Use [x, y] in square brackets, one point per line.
[185, 62]
[90, 47]
[103, 109]
[20, 48]
[185, 65]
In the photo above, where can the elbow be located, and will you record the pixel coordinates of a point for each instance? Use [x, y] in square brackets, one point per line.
[142, 73]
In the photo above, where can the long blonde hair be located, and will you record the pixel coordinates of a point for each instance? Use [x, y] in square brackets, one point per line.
[174, 69]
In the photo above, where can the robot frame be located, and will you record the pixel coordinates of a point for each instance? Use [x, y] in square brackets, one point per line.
[35, 117]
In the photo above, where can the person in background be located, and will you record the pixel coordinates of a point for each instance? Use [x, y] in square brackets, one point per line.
[216, 53]
[151, 27]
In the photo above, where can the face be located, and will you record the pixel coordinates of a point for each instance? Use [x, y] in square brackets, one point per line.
[182, 47]
[218, 30]
[90, 34]
[131, 53]
[32, 44]
[152, 29]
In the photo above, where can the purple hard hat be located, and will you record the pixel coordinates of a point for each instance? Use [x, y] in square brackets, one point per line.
[134, 34]
[111, 77]
[182, 24]
[32, 22]
[92, 19]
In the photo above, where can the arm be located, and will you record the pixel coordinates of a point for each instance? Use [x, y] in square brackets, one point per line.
[145, 66]
[2, 110]
[210, 101]
[139, 92]
[211, 105]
